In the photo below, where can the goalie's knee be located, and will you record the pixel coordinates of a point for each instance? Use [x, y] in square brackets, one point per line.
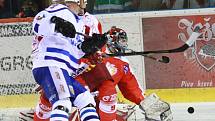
[60, 110]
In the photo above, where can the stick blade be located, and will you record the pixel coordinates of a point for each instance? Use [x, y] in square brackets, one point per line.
[165, 59]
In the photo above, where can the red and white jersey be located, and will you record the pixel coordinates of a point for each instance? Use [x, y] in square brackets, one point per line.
[119, 68]
[92, 24]
[122, 75]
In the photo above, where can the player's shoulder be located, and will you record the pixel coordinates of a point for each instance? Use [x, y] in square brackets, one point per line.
[39, 16]
[63, 12]
[56, 7]
[90, 16]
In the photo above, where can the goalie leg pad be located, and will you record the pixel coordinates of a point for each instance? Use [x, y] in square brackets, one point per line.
[156, 109]
[166, 115]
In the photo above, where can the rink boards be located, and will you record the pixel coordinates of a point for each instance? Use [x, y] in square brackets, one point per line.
[188, 78]
[170, 95]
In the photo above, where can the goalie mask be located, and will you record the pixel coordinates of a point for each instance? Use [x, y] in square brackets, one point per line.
[117, 40]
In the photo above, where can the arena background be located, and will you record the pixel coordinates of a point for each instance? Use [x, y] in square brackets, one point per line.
[176, 82]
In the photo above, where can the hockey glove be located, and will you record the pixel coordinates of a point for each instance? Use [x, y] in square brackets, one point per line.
[156, 109]
[92, 44]
[64, 27]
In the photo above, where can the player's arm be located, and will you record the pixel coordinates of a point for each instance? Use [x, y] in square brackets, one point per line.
[64, 27]
[152, 105]
[89, 46]
[129, 86]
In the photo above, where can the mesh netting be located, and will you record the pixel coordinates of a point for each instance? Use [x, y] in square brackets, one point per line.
[16, 29]
[17, 89]
[16, 78]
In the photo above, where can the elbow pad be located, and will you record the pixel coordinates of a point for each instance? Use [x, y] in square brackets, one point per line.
[92, 44]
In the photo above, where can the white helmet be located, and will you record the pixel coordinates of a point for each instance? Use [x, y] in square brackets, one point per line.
[57, 0]
[77, 1]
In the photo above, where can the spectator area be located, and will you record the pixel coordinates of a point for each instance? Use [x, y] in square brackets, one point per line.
[28, 8]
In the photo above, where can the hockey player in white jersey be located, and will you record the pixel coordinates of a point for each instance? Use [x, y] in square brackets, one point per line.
[56, 51]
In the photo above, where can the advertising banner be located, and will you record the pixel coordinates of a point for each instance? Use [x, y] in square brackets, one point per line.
[193, 68]
[15, 65]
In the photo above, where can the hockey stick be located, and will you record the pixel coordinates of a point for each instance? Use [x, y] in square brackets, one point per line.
[60, 21]
[193, 37]
[164, 59]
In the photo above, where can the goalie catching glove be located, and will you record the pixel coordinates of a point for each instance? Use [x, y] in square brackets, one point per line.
[156, 109]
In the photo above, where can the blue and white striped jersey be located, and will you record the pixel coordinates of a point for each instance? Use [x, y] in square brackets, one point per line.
[51, 48]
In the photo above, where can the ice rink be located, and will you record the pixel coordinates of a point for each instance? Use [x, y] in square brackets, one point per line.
[202, 112]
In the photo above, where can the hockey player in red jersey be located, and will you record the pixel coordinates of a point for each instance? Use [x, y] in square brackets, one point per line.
[119, 74]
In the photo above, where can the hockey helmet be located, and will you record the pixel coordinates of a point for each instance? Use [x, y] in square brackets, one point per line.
[57, 1]
[117, 40]
[77, 1]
